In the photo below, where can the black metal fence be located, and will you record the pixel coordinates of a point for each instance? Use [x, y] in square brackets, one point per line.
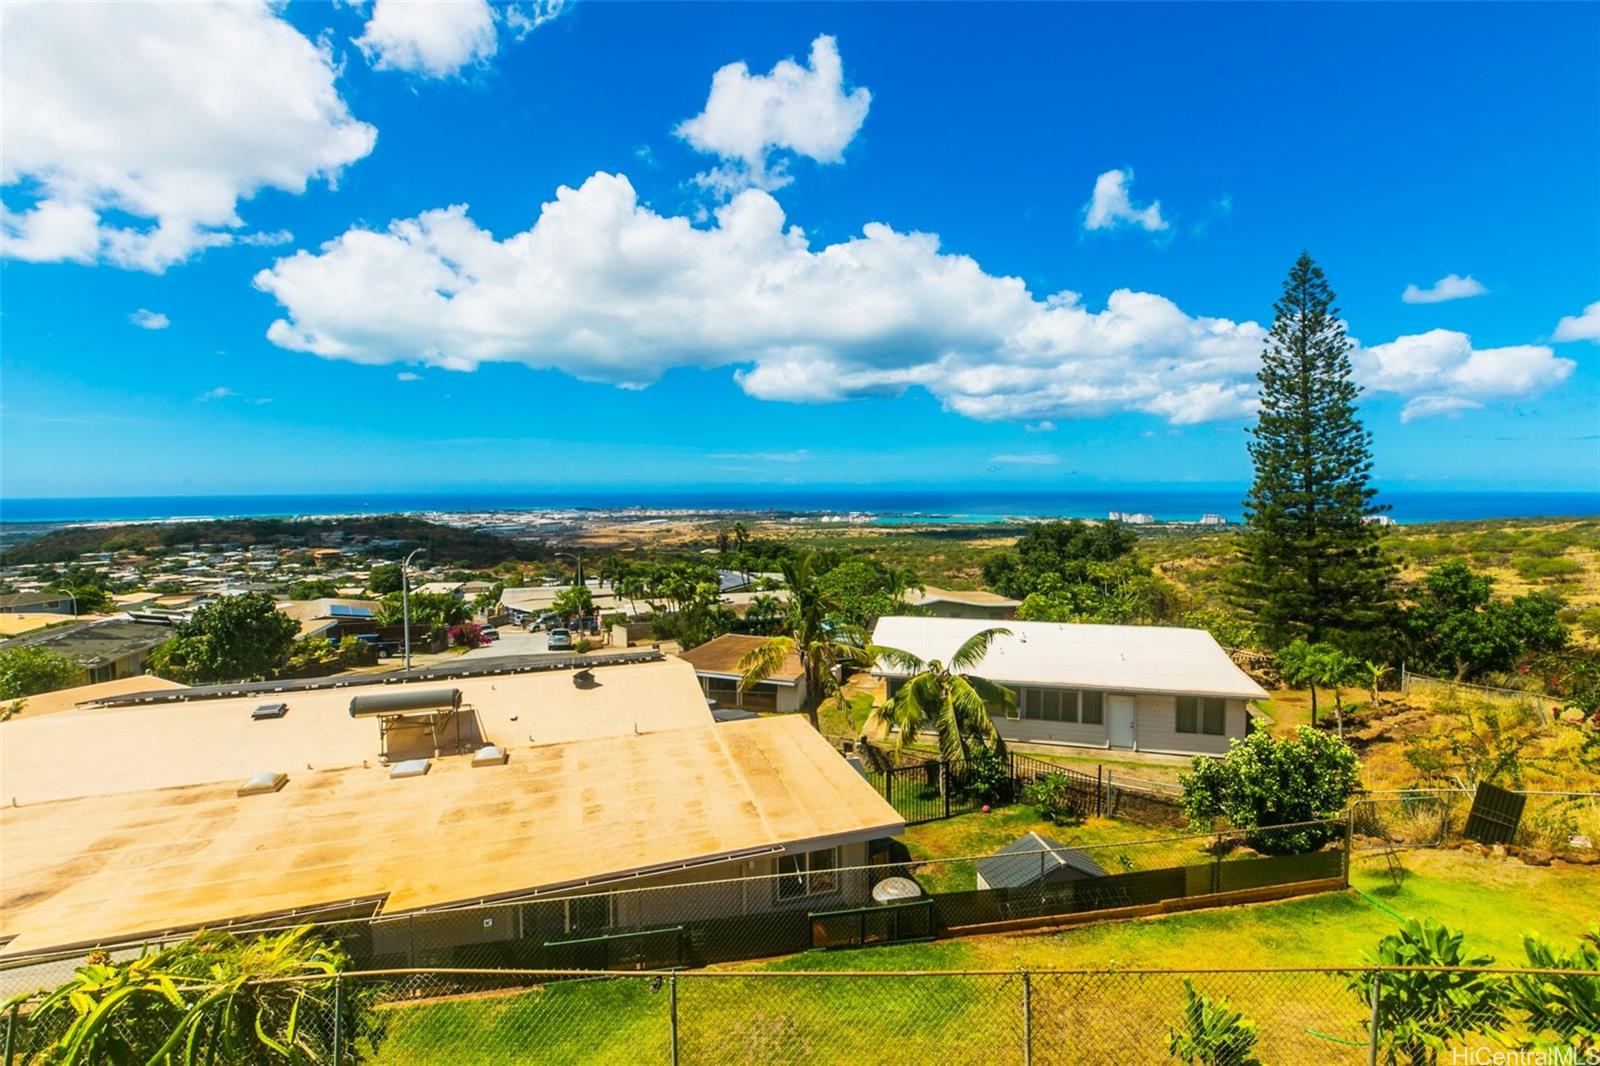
[925, 789]
[700, 923]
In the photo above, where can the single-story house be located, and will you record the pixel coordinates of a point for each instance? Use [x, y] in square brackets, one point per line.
[716, 664]
[105, 648]
[453, 589]
[531, 601]
[332, 617]
[960, 603]
[1035, 860]
[36, 603]
[1139, 688]
[616, 780]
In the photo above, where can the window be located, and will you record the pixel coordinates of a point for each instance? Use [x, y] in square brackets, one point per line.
[588, 914]
[808, 874]
[1048, 704]
[1186, 715]
[1093, 708]
[1202, 714]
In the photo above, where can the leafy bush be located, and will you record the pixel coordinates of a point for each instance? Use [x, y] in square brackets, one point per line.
[468, 635]
[1055, 799]
[1213, 1033]
[584, 646]
[1423, 1012]
[353, 652]
[28, 671]
[1561, 1008]
[1264, 782]
[212, 998]
[987, 776]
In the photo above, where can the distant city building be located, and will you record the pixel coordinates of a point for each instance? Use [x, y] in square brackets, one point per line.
[1132, 518]
[1213, 520]
[1378, 520]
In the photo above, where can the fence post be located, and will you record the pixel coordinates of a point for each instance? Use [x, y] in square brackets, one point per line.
[1099, 790]
[944, 784]
[338, 1020]
[672, 1012]
[1027, 1019]
[11, 1031]
[1372, 1036]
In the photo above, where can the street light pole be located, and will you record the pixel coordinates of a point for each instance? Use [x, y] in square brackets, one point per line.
[405, 601]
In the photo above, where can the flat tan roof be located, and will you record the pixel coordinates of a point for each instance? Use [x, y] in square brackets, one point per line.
[12, 625]
[68, 699]
[102, 868]
[165, 745]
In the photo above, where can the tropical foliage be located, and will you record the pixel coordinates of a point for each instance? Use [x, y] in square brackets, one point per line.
[947, 698]
[26, 671]
[1455, 626]
[213, 998]
[1297, 783]
[1212, 1033]
[821, 646]
[429, 610]
[1421, 1013]
[235, 638]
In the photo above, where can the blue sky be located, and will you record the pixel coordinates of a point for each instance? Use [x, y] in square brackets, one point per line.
[664, 325]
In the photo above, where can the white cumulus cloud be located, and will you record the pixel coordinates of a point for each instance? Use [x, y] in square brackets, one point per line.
[433, 38]
[751, 120]
[1111, 207]
[606, 289]
[1584, 327]
[147, 319]
[1443, 373]
[1449, 287]
[168, 114]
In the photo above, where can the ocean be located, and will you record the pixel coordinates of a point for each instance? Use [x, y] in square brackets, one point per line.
[888, 506]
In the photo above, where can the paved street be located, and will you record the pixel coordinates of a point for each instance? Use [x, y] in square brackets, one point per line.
[514, 640]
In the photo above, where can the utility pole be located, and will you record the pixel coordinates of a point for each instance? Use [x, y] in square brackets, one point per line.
[405, 601]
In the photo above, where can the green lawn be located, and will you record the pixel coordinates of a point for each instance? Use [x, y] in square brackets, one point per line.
[1304, 1017]
[981, 834]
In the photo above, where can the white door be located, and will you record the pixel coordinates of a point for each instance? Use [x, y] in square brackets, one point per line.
[1119, 720]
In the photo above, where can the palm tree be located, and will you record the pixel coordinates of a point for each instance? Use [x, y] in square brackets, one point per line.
[958, 704]
[1297, 663]
[1334, 669]
[741, 537]
[821, 647]
[899, 581]
[765, 610]
[1376, 672]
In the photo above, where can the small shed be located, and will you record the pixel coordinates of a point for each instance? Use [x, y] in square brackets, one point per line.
[1035, 860]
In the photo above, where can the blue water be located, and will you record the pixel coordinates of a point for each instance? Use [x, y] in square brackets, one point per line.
[892, 506]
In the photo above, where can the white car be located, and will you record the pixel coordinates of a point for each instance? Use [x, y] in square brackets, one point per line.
[489, 632]
[560, 640]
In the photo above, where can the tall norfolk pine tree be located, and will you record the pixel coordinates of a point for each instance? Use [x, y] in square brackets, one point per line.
[1311, 566]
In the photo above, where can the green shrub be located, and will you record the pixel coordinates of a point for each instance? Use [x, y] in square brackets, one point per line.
[1424, 1012]
[1055, 799]
[1264, 782]
[1213, 1033]
[986, 775]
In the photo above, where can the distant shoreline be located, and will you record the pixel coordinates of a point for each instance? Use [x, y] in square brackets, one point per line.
[856, 506]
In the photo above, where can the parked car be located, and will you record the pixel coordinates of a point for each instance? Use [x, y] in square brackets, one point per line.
[489, 632]
[549, 621]
[560, 640]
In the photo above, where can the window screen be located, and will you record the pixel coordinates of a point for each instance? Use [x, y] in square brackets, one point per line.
[1093, 708]
[1187, 715]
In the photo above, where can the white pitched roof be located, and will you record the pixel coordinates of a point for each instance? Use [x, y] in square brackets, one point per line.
[1118, 658]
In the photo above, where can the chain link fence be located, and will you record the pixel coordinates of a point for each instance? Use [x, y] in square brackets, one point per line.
[1410, 1015]
[698, 922]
